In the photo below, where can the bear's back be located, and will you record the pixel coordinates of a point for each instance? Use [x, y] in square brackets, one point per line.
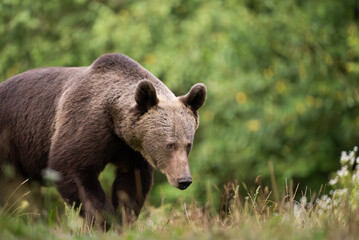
[27, 108]
[32, 102]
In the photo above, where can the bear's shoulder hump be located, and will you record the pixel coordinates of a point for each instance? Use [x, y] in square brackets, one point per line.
[113, 61]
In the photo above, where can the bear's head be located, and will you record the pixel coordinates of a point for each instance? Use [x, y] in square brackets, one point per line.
[165, 129]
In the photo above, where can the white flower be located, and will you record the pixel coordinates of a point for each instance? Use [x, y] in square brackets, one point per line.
[343, 171]
[344, 158]
[355, 149]
[297, 210]
[340, 192]
[303, 200]
[324, 202]
[352, 160]
[355, 177]
[351, 154]
[328, 200]
[333, 181]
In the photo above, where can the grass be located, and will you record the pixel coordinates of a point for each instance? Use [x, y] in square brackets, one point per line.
[253, 216]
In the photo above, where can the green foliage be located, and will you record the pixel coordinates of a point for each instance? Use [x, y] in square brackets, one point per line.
[281, 75]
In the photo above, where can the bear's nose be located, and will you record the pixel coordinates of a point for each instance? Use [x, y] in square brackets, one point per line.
[184, 182]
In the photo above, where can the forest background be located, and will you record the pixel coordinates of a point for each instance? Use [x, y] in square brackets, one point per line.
[282, 76]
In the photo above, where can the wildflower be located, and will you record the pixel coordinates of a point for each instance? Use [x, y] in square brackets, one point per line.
[352, 160]
[299, 210]
[303, 200]
[340, 192]
[296, 210]
[355, 177]
[324, 202]
[333, 181]
[343, 171]
[344, 177]
[328, 200]
[24, 204]
[344, 158]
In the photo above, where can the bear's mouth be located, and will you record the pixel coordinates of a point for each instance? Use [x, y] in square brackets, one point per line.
[171, 180]
[175, 182]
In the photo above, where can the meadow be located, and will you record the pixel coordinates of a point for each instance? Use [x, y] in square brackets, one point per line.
[260, 214]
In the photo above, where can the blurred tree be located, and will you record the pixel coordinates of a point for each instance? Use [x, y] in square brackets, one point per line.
[282, 76]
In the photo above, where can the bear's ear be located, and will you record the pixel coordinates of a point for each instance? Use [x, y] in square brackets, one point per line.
[196, 97]
[145, 95]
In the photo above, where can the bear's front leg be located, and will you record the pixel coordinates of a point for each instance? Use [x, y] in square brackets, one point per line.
[84, 188]
[79, 158]
[130, 189]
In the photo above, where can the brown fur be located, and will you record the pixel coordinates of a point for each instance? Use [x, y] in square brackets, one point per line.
[77, 120]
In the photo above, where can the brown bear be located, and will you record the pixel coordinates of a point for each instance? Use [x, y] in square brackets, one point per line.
[75, 120]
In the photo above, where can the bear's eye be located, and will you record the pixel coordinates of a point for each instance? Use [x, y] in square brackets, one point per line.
[170, 146]
[188, 148]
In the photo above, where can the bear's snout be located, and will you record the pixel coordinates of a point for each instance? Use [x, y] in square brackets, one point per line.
[184, 182]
